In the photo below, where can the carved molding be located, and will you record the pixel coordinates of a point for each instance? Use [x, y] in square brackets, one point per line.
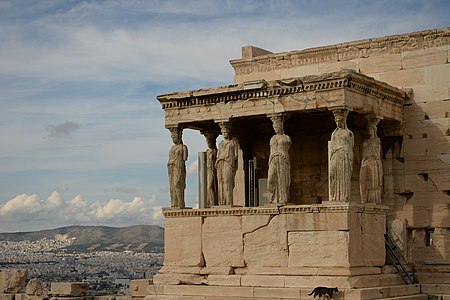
[345, 51]
[345, 79]
[275, 210]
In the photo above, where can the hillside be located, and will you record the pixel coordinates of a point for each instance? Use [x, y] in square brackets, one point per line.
[141, 238]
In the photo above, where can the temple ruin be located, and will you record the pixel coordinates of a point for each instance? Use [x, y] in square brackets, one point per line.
[333, 170]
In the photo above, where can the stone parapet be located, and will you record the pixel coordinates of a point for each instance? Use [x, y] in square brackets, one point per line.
[369, 48]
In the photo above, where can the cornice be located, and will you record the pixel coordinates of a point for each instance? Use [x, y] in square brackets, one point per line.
[345, 79]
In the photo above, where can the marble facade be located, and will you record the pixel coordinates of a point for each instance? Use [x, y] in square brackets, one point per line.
[368, 130]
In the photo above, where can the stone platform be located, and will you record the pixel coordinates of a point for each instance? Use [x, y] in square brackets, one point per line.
[276, 252]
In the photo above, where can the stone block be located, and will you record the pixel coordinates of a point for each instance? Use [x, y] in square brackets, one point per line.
[436, 289]
[36, 287]
[403, 78]
[337, 66]
[178, 279]
[138, 287]
[262, 280]
[380, 63]
[156, 289]
[12, 280]
[313, 281]
[180, 269]
[374, 223]
[182, 242]
[277, 293]
[318, 249]
[224, 280]
[217, 271]
[70, 289]
[222, 243]
[300, 71]
[373, 249]
[424, 57]
[7, 296]
[317, 221]
[223, 291]
[267, 245]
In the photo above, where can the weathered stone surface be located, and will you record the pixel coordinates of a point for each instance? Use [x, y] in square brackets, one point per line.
[6, 296]
[263, 280]
[267, 245]
[69, 289]
[182, 242]
[178, 279]
[138, 287]
[274, 293]
[224, 280]
[424, 57]
[222, 243]
[317, 221]
[318, 249]
[12, 280]
[36, 287]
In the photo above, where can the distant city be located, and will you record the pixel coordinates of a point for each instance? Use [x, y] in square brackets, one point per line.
[107, 272]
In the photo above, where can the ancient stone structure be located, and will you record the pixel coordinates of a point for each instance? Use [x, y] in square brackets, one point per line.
[279, 174]
[340, 163]
[177, 168]
[371, 171]
[366, 148]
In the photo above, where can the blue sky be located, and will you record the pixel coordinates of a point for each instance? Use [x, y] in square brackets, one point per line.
[83, 137]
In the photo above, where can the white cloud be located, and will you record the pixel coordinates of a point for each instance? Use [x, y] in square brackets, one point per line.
[55, 210]
[192, 168]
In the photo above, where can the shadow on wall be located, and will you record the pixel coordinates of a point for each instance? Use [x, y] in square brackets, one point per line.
[417, 184]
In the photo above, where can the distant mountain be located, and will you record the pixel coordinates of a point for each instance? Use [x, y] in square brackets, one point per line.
[141, 238]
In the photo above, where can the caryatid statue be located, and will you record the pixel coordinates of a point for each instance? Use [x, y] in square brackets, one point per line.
[211, 172]
[371, 172]
[176, 166]
[279, 178]
[340, 165]
[226, 166]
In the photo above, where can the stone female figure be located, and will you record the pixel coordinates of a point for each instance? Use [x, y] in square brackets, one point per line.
[211, 173]
[226, 165]
[176, 166]
[371, 172]
[340, 159]
[279, 178]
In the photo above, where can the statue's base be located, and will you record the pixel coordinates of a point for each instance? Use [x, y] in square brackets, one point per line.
[276, 252]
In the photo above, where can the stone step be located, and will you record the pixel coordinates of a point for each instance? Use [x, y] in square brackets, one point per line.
[436, 289]
[408, 297]
[383, 292]
[238, 292]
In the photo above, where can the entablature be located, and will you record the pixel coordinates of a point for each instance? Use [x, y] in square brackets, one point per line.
[346, 88]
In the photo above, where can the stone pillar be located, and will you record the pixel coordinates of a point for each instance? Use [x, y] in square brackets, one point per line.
[226, 165]
[211, 172]
[279, 175]
[176, 166]
[340, 159]
[371, 171]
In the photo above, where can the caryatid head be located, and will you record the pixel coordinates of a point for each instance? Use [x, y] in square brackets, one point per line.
[278, 124]
[225, 129]
[340, 117]
[176, 134]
